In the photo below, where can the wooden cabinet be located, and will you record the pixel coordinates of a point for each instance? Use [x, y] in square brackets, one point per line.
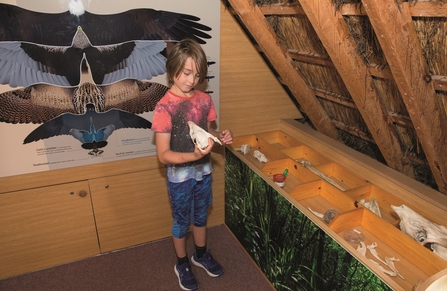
[131, 209]
[47, 226]
[44, 227]
[112, 206]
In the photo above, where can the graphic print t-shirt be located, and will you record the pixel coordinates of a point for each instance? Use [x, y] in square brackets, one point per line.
[171, 115]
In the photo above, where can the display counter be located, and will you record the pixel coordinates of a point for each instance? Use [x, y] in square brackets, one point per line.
[336, 221]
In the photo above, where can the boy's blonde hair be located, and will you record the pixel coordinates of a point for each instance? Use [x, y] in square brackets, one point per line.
[180, 52]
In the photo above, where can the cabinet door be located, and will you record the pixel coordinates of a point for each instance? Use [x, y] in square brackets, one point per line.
[44, 227]
[131, 209]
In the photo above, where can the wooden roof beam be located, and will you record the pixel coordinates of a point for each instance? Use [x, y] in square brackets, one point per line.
[252, 17]
[353, 130]
[308, 57]
[281, 9]
[396, 33]
[335, 98]
[334, 35]
[420, 9]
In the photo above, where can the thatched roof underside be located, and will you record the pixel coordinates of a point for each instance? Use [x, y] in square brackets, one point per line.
[371, 73]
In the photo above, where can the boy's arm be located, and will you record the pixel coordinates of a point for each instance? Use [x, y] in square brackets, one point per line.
[167, 156]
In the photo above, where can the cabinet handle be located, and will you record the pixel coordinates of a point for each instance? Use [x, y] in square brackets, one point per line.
[106, 186]
[82, 193]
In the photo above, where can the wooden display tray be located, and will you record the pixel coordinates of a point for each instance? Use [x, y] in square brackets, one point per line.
[337, 188]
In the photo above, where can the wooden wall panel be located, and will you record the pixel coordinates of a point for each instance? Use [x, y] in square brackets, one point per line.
[251, 98]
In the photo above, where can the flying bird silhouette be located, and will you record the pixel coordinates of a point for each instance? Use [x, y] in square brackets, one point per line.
[91, 128]
[40, 47]
[56, 29]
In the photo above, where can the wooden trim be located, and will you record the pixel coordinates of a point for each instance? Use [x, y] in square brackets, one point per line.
[73, 174]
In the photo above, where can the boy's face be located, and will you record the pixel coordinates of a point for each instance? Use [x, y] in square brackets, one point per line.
[187, 80]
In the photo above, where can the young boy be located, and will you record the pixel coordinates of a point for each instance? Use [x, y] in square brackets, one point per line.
[188, 167]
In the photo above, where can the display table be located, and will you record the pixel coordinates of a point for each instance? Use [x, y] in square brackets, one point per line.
[309, 234]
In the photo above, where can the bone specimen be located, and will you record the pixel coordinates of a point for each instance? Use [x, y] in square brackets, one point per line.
[372, 205]
[362, 249]
[199, 136]
[244, 149]
[260, 156]
[318, 214]
[308, 165]
[422, 230]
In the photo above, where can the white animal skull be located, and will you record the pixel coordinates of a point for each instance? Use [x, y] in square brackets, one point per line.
[199, 136]
[422, 230]
[260, 156]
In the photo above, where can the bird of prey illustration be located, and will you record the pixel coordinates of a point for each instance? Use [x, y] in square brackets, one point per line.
[88, 112]
[40, 47]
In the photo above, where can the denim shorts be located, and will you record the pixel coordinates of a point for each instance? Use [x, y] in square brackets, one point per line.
[189, 201]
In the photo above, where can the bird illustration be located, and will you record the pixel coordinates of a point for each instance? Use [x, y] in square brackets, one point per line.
[24, 64]
[41, 102]
[91, 128]
[88, 112]
[40, 47]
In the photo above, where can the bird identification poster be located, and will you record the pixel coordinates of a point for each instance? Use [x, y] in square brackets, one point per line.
[79, 79]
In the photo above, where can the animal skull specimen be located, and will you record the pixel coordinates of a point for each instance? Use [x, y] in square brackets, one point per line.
[199, 136]
[260, 156]
[244, 149]
[422, 230]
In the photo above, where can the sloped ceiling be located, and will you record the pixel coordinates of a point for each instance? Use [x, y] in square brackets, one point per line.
[371, 74]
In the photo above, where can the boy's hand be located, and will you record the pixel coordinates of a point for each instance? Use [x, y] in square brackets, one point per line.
[199, 153]
[226, 136]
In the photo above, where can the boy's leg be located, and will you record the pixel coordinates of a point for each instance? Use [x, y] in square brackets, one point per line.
[199, 234]
[202, 200]
[180, 247]
[181, 201]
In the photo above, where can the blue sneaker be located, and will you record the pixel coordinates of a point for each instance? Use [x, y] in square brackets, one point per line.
[186, 278]
[213, 268]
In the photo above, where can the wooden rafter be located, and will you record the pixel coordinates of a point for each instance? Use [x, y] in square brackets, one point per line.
[281, 9]
[261, 31]
[335, 36]
[420, 9]
[308, 57]
[396, 33]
